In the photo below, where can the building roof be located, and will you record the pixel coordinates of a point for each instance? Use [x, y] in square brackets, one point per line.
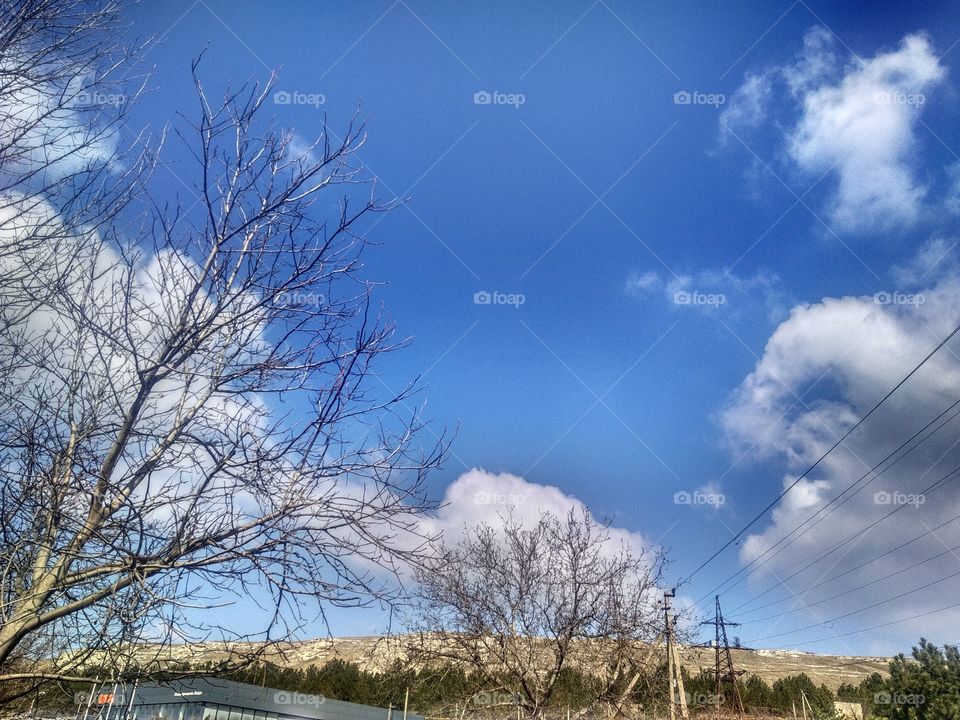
[253, 697]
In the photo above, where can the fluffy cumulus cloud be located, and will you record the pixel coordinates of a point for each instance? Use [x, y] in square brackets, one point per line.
[481, 496]
[853, 119]
[57, 130]
[138, 299]
[822, 369]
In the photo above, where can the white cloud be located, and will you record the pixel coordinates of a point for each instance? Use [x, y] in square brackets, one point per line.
[299, 149]
[822, 369]
[952, 200]
[56, 131]
[481, 496]
[710, 290]
[643, 282]
[863, 129]
[815, 65]
[855, 121]
[934, 259]
[747, 108]
[135, 297]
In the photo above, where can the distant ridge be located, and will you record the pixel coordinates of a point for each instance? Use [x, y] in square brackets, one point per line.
[374, 653]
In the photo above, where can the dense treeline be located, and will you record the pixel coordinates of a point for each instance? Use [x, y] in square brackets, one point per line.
[432, 690]
[444, 690]
[922, 686]
[758, 696]
[441, 690]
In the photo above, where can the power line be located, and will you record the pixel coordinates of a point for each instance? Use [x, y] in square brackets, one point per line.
[857, 567]
[807, 605]
[813, 560]
[877, 627]
[837, 497]
[931, 488]
[822, 457]
[939, 483]
[863, 609]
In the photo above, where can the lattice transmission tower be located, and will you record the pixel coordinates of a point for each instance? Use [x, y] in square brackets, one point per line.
[725, 676]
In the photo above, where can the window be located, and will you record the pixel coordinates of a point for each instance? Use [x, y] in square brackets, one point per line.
[193, 711]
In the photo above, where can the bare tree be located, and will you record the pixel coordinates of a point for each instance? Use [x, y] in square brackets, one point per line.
[521, 605]
[187, 409]
[66, 83]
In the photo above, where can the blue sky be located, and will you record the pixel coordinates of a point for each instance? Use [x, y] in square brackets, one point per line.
[659, 245]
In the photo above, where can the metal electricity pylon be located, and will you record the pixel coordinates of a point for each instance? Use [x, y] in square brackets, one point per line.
[725, 676]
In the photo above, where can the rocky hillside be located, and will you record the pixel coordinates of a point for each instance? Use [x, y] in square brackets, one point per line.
[378, 653]
[771, 665]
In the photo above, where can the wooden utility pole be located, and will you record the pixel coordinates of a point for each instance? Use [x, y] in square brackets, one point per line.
[677, 692]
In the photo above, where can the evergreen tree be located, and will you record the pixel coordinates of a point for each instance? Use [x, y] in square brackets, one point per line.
[927, 685]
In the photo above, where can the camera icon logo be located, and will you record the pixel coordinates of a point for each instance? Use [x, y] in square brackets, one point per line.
[282, 97]
[682, 498]
[682, 98]
[482, 298]
[283, 698]
[882, 497]
[482, 97]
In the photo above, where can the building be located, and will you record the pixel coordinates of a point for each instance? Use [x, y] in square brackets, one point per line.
[215, 699]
